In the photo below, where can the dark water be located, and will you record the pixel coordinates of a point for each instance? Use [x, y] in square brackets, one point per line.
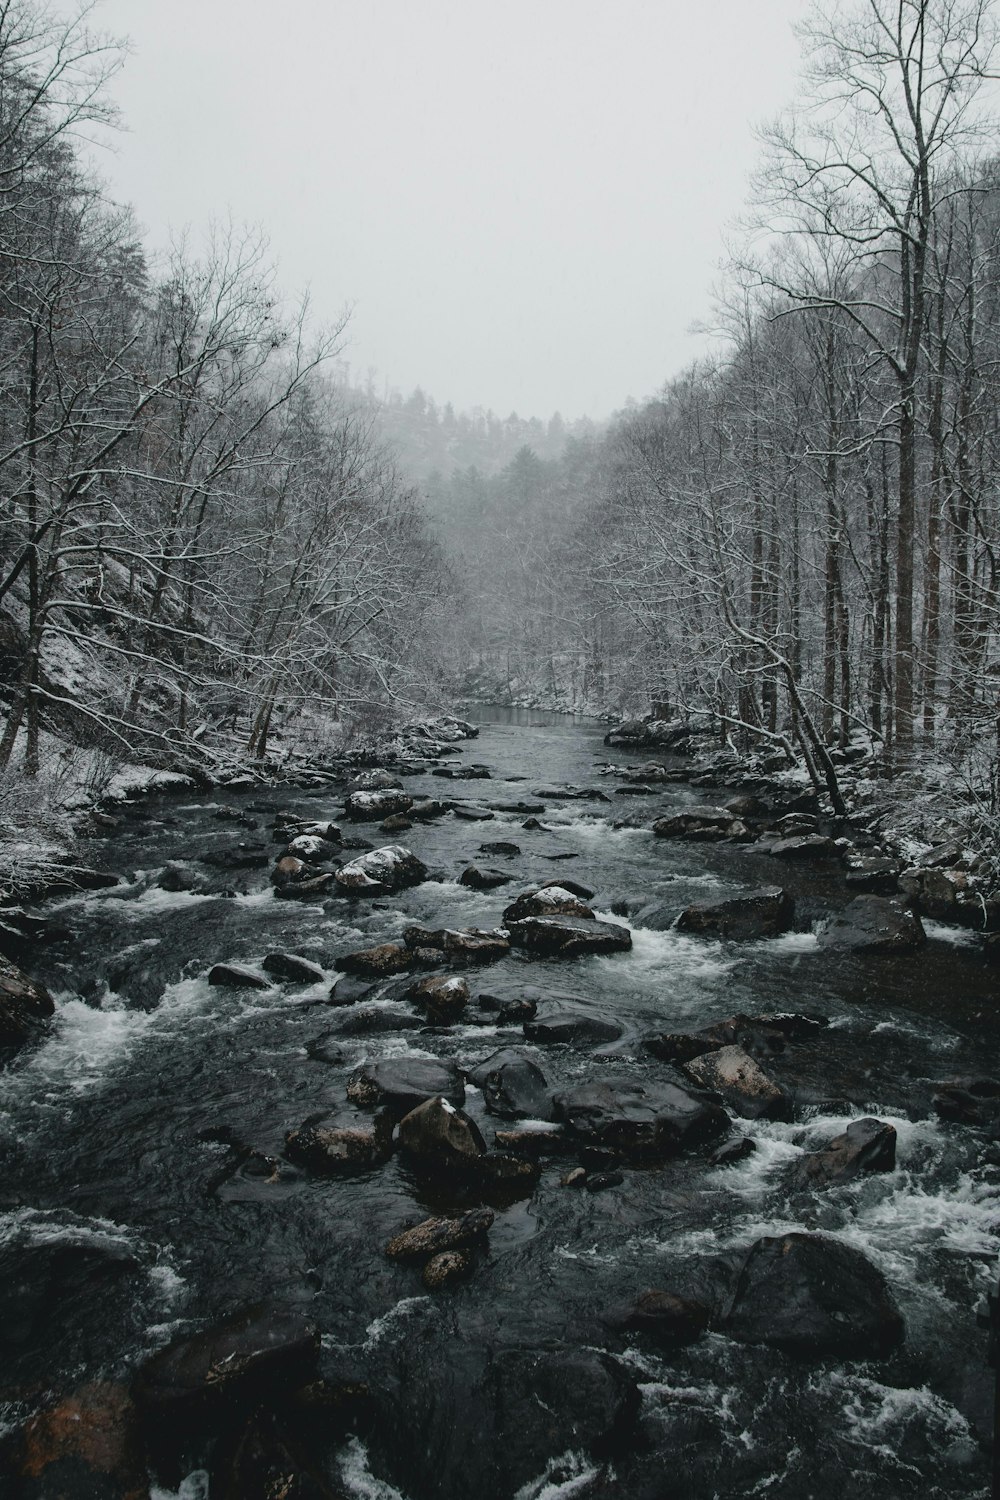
[121, 1126]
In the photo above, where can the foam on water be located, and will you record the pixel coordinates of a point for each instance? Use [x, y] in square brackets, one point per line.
[358, 1479]
[194, 1487]
[879, 1417]
[565, 1476]
[944, 932]
[407, 1307]
[795, 944]
[86, 1042]
[654, 953]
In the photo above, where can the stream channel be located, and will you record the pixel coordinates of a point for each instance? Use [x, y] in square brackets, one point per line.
[125, 1130]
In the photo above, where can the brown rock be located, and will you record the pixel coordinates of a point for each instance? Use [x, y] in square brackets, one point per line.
[85, 1445]
[434, 1236]
[442, 1270]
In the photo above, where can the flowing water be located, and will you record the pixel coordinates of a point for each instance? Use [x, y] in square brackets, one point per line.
[126, 1130]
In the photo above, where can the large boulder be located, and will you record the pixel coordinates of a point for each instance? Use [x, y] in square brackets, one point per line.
[441, 997]
[573, 1026]
[551, 900]
[236, 977]
[743, 1084]
[969, 1101]
[939, 893]
[569, 937]
[562, 1401]
[390, 868]
[377, 962]
[762, 913]
[313, 849]
[873, 924]
[399, 1084]
[257, 1353]
[24, 1005]
[476, 946]
[813, 1297]
[865, 1146]
[700, 824]
[513, 1086]
[438, 1134]
[642, 1120]
[372, 807]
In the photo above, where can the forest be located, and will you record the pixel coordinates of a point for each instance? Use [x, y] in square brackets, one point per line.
[214, 546]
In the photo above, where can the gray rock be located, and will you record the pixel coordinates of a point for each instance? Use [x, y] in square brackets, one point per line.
[400, 1084]
[390, 868]
[873, 924]
[513, 1086]
[641, 1120]
[865, 1146]
[569, 937]
[815, 1298]
[743, 1084]
[235, 977]
[292, 969]
[762, 913]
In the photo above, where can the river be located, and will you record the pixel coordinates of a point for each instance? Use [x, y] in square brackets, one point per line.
[124, 1130]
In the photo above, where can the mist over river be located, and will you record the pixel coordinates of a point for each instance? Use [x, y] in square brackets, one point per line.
[146, 1193]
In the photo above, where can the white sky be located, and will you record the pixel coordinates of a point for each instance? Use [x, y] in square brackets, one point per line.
[524, 200]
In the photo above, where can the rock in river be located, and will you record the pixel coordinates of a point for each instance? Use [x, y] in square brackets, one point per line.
[571, 1025]
[390, 868]
[700, 824]
[569, 937]
[24, 1005]
[434, 1236]
[257, 1352]
[669, 1320]
[401, 1083]
[376, 963]
[551, 900]
[641, 1120]
[473, 946]
[372, 807]
[814, 1297]
[439, 1134]
[873, 924]
[865, 1146]
[292, 969]
[441, 997]
[762, 913]
[484, 880]
[513, 1086]
[743, 1084]
[342, 1148]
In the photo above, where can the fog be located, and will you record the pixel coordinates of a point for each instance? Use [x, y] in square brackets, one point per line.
[524, 204]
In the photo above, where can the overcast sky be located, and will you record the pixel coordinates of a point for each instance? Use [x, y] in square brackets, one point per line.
[523, 200]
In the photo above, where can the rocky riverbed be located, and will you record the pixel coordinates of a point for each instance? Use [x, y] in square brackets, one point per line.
[514, 1119]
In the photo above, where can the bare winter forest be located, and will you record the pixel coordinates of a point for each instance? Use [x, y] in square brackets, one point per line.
[214, 548]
